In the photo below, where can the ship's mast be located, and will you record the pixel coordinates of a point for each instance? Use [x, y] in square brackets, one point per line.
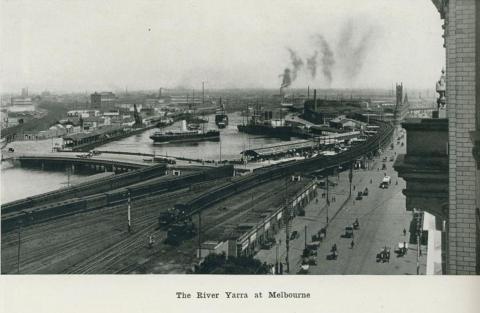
[193, 103]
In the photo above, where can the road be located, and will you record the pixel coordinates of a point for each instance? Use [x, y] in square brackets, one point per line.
[382, 217]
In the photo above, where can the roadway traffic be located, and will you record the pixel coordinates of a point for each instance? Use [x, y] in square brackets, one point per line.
[382, 220]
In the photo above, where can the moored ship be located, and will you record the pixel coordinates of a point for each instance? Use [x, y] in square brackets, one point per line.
[185, 135]
[262, 123]
[221, 118]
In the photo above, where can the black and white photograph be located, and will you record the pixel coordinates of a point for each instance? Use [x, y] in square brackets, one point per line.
[240, 138]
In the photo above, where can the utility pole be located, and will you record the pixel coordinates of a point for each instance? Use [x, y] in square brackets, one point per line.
[328, 200]
[19, 242]
[276, 259]
[287, 226]
[129, 220]
[68, 176]
[220, 144]
[350, 178]
[305, 236]
[199, 232]
[418, 217]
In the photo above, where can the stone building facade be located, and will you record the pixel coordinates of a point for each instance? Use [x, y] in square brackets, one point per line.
[462, 97]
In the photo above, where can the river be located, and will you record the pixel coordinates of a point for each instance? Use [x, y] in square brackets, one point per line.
[17, 183]
[231, 143]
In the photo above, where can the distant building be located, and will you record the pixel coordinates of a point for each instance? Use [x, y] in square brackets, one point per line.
[92, 123]
[322, 111]
[21, 101]
[102, 101]
[344, 123]
[151, 103]
[83, 113]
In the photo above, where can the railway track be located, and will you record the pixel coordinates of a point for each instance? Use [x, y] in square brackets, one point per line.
[211, 221]
[105, 260]
[216, 194]
[112, 258]
[81, 242]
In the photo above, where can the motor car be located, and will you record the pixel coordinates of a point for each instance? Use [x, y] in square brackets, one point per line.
[294, 235]
[359, 196]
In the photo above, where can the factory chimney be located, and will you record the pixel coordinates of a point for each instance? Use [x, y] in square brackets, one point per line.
[315, 100]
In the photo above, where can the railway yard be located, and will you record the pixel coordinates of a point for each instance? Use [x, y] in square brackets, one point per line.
[242, 214]
[99, 242]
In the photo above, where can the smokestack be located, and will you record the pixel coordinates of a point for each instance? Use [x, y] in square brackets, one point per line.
[308, 92]
[315, 99]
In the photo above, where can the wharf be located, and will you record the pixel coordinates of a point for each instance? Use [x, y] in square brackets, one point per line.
[88, 141]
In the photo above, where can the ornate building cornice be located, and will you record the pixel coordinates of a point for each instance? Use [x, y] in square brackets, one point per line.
[441, 6]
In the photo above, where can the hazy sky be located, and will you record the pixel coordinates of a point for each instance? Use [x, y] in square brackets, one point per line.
[104, 45]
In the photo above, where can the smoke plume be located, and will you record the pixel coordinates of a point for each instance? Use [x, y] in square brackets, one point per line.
[287, 81]
[327, 58]
[353, 50]
[297, 63]
[312, 64]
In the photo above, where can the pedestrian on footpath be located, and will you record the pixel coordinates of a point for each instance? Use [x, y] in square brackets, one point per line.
[404, 232]
[352, 244]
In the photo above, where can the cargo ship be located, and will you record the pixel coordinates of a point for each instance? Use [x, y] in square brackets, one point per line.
[221, 118]
[262, 123]
[185, 135]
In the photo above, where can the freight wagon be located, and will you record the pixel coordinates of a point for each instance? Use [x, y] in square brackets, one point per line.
[11, 220]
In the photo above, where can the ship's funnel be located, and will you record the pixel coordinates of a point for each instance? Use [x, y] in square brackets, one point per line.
[184, 125]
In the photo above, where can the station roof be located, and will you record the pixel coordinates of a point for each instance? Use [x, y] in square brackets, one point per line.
[280, 148]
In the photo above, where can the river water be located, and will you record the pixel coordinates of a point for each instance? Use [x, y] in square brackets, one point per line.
[17, 183]
[231, 143]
